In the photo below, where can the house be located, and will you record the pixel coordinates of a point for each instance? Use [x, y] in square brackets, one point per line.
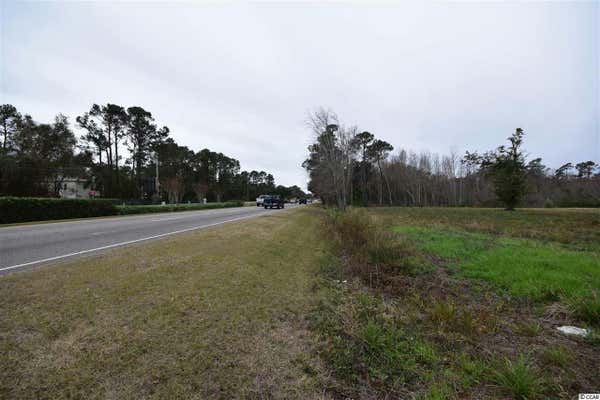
[76, 188]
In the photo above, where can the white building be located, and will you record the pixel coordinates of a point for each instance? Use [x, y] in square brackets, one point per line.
[74, 188]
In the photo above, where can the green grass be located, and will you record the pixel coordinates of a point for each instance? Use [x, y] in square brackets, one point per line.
[366, 348]
[557, 356]
[577, 228]
[429, 332]
[520, 266]
[284, 307]
[210, 314]
[519, 379]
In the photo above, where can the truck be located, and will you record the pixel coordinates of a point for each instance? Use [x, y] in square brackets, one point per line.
[260, 199]
[273, 202]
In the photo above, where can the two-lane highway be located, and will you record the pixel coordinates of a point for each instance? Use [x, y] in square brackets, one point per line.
[29, 245]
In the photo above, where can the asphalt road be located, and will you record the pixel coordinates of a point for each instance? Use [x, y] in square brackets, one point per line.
[26, 246]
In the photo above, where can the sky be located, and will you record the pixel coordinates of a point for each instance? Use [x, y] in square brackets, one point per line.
[240, 78]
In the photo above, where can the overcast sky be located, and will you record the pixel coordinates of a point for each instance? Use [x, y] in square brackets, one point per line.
[240, 78]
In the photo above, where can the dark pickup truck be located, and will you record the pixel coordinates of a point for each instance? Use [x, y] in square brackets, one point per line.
[273, 202]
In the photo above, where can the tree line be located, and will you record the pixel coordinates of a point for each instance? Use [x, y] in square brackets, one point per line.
[119, 155]
[348, 166]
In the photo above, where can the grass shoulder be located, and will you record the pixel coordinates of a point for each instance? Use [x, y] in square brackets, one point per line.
[217, 313]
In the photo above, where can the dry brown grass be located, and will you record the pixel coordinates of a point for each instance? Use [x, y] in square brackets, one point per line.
[209, 314]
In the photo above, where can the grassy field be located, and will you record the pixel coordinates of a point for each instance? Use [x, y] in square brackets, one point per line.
[577, 228]
[210, 314]
[379, 303]
[462, 303]
[524, 267]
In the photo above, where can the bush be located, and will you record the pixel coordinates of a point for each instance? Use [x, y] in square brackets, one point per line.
[25, 209]
[125, 210]
[369, 250]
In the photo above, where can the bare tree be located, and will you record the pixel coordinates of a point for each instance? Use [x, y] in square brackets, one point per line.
[333, 153]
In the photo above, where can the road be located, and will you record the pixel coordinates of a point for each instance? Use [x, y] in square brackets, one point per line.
[26, 246]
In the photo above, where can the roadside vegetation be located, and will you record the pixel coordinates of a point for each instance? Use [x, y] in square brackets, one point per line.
[28, 209]
[410, 311]
[455, 302]
[314, 303]
[191, 316]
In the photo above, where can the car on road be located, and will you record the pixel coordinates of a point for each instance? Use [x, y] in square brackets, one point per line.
[302, 201]
[273, 202]
[260, 199]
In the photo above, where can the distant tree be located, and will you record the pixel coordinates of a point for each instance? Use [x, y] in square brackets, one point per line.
[563, 171]
[362, 141]
[94, 136]
[44, 154]
[200, 189]
[585, 169]
[105, 126]
[331, 158]
[507, 168]
[174, 187]
[9, 123]
[379, 151]
[143, 136]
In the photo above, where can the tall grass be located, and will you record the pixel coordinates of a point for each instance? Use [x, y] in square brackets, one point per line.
[519, 378]
[368, 250]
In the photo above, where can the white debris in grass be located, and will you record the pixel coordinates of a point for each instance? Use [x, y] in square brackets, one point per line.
[572, 330]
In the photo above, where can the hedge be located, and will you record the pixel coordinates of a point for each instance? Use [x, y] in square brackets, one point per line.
[124, 210]
[26, 209]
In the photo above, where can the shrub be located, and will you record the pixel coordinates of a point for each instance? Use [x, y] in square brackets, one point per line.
[25, 209]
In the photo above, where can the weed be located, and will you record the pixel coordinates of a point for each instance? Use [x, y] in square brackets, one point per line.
[518, 378]
[593, 337]
[443, 313]
[448, 316]
[557, 356]
[586, 308]
[528, 328]
[371, 252]
[472, 370]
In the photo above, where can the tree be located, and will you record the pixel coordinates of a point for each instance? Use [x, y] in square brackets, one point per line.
[507, 168]
[331, 157]
[44, 154]
[9, 123]
[363, 140]
[563, 171]
[585, 169]
[142, 136]
[94, 134]
[378, 151]
[105, 126]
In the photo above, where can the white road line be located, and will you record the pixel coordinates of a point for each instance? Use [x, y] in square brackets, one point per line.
[99, 233]
[125, 243]
[167, 219]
